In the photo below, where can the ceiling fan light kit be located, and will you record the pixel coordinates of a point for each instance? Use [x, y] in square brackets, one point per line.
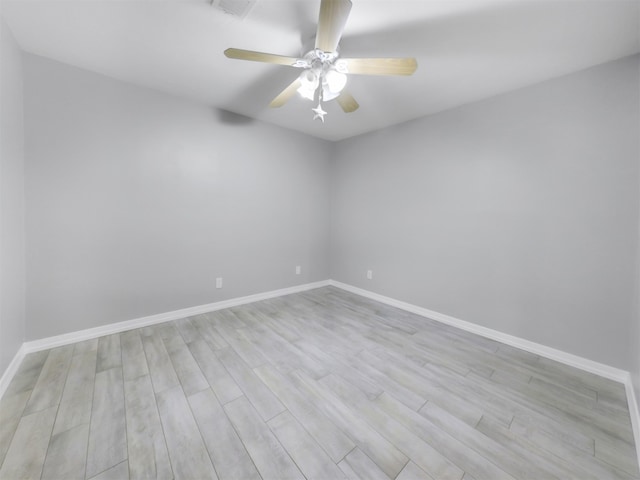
[324, 75]
[321, 77]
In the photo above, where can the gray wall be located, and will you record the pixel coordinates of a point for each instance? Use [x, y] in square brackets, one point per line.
[12, 231]
[137, 201]
[635, 365]
[519, 213]
[634, 368]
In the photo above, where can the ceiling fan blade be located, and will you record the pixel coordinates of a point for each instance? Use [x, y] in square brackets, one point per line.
[380, 66]
[240, 54]
[347, 102]
[286, 94]
[332, 19]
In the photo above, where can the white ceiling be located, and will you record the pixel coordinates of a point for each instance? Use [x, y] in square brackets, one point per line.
[466, 50]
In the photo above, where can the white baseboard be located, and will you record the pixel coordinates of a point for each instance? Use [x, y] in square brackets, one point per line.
[536, 348]
[11, 370]
[632, 401]
[563, 357]
[582, 363]
[67, 338]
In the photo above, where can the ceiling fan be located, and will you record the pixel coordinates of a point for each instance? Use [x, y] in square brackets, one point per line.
[325, 73]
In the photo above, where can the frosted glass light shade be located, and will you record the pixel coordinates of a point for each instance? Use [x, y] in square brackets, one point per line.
[309, 83]
[332, 84]
[335, 81]
[328, 94]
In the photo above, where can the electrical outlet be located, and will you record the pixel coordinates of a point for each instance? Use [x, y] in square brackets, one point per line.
[219, 282]
[369, 274]
[298, 269]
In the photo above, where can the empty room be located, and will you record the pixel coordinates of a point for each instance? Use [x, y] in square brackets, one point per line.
[319, 239]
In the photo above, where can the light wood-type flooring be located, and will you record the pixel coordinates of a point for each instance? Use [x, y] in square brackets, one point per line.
[318, 385]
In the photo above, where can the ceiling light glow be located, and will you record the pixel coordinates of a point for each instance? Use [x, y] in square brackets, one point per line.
[335, 81]
[309, 83]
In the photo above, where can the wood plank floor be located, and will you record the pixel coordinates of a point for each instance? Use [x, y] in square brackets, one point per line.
[318, 385]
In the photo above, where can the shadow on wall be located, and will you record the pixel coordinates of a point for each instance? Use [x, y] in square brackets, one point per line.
[231, 118]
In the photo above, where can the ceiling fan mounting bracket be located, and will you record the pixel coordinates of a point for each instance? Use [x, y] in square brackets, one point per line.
[317, 60]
